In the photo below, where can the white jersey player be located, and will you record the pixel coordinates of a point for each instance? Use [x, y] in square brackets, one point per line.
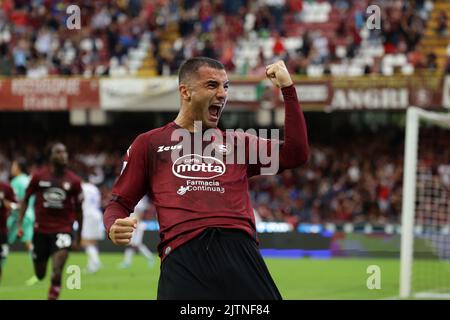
[138, 235]
[93, 229]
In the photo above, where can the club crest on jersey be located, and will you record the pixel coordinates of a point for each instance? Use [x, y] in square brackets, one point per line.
[169, 148]
[66, 185]
[54, 198]
[223, 148]
[194, 166]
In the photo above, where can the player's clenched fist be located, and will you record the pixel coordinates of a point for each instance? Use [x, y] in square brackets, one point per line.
[122, 230]
[279, 74]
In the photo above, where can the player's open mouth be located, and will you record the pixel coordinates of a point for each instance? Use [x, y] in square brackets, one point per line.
[214, 112]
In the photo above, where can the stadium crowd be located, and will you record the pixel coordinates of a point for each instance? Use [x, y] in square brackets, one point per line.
[344, 181]
[34, 39]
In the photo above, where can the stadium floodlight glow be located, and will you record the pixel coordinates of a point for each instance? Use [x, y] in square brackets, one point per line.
[425, 244]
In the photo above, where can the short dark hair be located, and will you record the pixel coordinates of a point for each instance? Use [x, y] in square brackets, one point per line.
[192, 65]
[49, 148]
[22, 164]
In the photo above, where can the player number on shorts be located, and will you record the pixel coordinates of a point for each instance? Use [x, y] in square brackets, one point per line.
[63, 240]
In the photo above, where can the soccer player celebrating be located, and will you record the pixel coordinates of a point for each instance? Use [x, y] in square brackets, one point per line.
[7, 202]
[58, 204]
[208, 245]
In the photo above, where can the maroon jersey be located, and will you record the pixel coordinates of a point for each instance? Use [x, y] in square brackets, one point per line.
[6, 193]
[192, 192]
[56, 200]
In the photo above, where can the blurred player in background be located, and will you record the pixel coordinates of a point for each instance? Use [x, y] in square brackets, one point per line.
[7, 203]
[19, 183]
[208, 235]
[136, 243]
[93, 229]
[58, 204]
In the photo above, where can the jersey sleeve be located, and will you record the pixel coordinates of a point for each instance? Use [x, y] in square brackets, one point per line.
[9, 194]
[133, 182]
[274, 155]
[32, 187]
[262, 155]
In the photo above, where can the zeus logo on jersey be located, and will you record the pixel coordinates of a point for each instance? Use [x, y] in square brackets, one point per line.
[194, 166]
[169, 148]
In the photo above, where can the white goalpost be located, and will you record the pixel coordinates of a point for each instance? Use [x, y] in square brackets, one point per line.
[425, 229]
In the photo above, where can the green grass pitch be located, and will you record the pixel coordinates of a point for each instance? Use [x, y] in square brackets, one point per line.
[343, 278]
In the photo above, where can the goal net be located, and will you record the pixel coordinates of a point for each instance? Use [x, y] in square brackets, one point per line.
[425, 245]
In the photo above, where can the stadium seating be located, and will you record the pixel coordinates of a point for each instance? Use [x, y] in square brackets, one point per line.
[150, 38]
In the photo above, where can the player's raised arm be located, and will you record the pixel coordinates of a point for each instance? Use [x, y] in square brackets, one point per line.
[129, 188]
[295, 149]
